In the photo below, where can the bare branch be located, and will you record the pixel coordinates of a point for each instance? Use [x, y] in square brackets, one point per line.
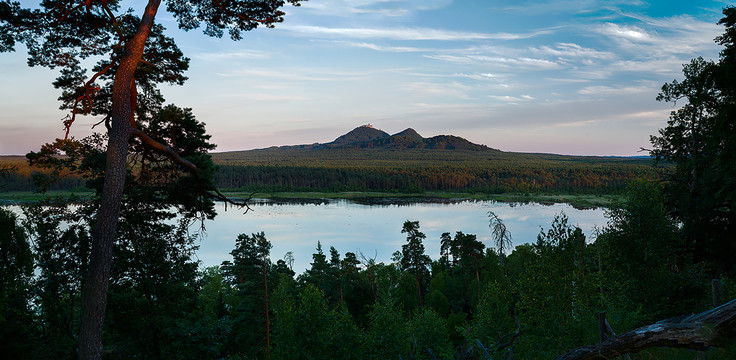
[513, 336]
[239, 203]
[106, 120]
[501, 235]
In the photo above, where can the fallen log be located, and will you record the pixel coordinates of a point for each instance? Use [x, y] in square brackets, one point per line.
[712, 328]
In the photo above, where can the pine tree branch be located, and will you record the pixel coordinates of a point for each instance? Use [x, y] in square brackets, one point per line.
[164, 149]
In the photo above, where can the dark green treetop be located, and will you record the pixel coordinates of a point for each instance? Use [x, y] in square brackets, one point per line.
[700, 139]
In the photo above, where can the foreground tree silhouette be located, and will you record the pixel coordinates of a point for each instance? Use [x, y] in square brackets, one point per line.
[413, 257]
[700, 139]
[135, 57]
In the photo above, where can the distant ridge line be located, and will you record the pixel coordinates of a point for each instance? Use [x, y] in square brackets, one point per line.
[368, 136]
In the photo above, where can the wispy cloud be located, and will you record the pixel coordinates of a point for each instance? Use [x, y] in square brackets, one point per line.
[656, 37]
[267, 98]
[563, 6]
[646, 115]
[384, 8]
[452, 89]
[671, 66]
[625, 32]
[479, 76]
[575, 123]
[243, 54]
[311, 74]
[610, 90]
[568, 51]
[512, 99]
[407, 33]
[602, 72]
[384, 48]
[518, 63]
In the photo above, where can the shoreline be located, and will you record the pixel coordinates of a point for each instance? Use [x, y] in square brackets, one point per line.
[368, 198]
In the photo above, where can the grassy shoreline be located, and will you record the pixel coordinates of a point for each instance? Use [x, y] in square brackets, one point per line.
[13, 197]
[585, 200]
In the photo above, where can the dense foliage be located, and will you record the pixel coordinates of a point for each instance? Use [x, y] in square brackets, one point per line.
[534, 302]
[700, 139]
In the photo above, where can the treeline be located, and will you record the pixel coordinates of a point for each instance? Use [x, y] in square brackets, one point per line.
[476, 301]
[386, 170]
[17, 175]
[416, 170]
[555, 180]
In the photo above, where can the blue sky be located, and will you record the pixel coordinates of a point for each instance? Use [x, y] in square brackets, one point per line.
[555, 76]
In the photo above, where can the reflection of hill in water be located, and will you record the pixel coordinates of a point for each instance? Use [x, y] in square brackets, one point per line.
[403, 201]
[370, 201]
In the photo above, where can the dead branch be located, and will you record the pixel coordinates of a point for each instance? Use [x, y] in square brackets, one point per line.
[712, 328]
[244, 203]
[513, 336]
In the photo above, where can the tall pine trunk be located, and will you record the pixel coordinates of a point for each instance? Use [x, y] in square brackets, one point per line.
[419, 291]
[94, 299]
[268, 322]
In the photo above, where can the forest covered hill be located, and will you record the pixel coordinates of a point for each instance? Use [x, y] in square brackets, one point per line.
[367, 136]
[368, 159]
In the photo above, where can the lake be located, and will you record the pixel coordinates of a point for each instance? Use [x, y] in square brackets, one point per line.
[375, 230]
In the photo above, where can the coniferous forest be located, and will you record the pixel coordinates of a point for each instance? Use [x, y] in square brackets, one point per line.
[476, 301]
[295, 169]
[661, 274]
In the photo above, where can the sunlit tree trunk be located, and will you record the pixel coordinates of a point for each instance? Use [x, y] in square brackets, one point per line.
[103, 234]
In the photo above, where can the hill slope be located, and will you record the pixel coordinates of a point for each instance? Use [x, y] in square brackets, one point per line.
[368, 159]
[404, 164]
[368, 137]
[361, 134]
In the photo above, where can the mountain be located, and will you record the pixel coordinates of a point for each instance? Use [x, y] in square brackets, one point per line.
[367, 136]
[361, 134]
[410, 133]
[450, 142]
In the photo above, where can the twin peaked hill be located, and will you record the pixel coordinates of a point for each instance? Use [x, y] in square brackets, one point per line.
[370, 160]
[367, 136]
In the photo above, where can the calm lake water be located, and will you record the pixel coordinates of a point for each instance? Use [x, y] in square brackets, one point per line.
[375, 230]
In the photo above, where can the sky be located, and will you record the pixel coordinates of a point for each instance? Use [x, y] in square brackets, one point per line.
[577, 77]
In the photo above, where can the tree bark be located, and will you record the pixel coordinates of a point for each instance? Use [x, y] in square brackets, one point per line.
[419, 291]
[103, 234]
[713, 328]
[268, 308]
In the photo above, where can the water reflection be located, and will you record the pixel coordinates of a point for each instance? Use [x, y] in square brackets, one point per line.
[374, 227]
